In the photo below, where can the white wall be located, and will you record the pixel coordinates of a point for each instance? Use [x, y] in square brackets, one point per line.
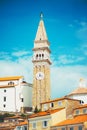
[82, 97]
[10, 99]
[13, 96]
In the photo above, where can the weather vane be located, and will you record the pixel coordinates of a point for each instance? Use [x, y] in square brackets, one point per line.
[41, 15]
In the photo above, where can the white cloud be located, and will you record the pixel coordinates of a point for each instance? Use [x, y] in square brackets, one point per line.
[19, 67]
[82, 31]
[20, 53]
[65, 79]
[69, 59]
[4, 55]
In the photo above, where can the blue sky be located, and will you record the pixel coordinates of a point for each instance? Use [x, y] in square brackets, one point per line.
[66, 26]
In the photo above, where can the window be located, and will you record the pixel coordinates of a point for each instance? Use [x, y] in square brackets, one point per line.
[42, 55]
[60, 103]
[80, 128]
[5, 90]
[45, 124]
[4, 99]
[11, 83]
[71, 128]
[4, 105]
[25, 127]
[85, 110]
[52, 105]
[45, 107]
[34, 125]
[19, 128]
[37, 56]
[77, 112]
[63, 128]
[22, 99]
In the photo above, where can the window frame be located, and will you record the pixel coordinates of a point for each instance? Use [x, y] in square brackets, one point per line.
[62, 128]
[77, 112]
[34, 125]
[85, 110]
[59, 103]
[45, 124]
[80, 127]
[45, 106]
[72, 128]
[4, 99]
[51, 104]
[4, 90]
[4, 105]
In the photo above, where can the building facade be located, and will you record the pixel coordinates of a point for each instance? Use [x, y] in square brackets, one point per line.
[44, 120]
[15, 94]
[41, 66]
[80, 92]
[77, 122]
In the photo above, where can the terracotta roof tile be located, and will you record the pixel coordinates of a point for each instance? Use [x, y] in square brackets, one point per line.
[45, 113]
[76, 120]
[81, 106]
[58, 99]
[10, 78]
[79, 90]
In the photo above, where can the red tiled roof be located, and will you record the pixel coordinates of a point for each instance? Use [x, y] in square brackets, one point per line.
[81, 106]
[58, 99]
[45, 113]
[76, 120]
[22, 123]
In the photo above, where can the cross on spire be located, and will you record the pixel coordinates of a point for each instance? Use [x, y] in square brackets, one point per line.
[41, 15]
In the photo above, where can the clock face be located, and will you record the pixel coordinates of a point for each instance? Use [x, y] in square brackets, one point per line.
[40, 75]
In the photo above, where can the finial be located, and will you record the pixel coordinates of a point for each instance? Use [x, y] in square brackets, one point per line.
[82, 82]
[41, 15]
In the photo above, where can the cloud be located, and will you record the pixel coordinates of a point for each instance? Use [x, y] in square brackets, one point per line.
[69, 59]
[4, 55]
[82, 31]
[20, 53]
[65, 79]
[21, 66]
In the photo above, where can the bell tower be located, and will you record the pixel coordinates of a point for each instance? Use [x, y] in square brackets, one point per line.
[41, 66]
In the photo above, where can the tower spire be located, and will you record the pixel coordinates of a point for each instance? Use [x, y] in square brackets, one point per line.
[41, 31]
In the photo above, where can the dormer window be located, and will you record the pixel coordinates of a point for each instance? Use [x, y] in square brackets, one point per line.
[11, 83]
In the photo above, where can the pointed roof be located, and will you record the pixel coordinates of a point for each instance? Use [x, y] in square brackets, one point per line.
[41, 31]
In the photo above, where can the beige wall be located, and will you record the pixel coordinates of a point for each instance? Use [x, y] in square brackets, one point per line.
[52, 119]
[58, 116]
[68, 104]
[39, 122]
[67, 127]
